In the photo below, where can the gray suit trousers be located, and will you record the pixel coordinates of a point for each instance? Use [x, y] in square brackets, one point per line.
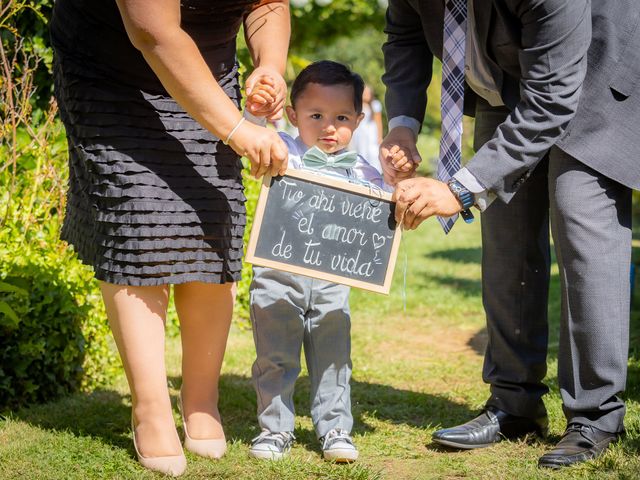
[591, 225]
[287, 312]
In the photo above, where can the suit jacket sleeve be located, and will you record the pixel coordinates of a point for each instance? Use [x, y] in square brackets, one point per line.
[408, 62]
[554, 42]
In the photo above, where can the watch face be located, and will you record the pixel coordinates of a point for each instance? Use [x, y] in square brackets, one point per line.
[456, 188]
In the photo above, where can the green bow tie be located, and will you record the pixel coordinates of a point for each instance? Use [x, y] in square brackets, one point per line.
[316, 158]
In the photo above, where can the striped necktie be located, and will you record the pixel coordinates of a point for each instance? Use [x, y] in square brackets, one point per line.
[455, 28]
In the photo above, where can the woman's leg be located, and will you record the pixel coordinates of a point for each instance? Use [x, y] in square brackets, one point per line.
[205, 316]
[137, 316]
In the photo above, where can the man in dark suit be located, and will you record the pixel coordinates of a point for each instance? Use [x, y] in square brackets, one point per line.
[555, 89]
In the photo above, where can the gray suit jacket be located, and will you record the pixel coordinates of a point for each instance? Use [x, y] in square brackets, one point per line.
[537, 53]
[605, 132]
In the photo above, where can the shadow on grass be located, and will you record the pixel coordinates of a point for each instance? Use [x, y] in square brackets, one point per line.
[479, 341]
[458, 255]
[633, 381]
[460, 286]
[370, 402]
[105, 414]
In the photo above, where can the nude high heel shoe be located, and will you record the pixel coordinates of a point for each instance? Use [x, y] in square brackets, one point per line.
[173, 465]
[205, 447]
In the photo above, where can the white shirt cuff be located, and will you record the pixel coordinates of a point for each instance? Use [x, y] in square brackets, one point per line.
[260, 121]
[405, 121]
[482, 197]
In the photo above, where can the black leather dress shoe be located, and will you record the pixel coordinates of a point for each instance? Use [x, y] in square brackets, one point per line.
[579, 443]
[488, 428]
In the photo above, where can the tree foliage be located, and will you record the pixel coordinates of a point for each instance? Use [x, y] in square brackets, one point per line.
[362, 53]
[318, 24]
[28, 20]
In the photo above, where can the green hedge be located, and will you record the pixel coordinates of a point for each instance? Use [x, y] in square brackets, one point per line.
[54, 338]
[241, 310]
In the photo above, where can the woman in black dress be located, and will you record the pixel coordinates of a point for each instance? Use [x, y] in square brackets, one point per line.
[147, 89]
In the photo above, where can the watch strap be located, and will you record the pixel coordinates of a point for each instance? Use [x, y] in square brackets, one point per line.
[465, 197]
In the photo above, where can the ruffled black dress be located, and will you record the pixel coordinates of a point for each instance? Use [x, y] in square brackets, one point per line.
[153, 197]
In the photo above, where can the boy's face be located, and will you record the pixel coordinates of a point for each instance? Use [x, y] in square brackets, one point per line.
[325, 116]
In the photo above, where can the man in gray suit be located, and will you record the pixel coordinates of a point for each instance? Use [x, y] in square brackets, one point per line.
[557, 133]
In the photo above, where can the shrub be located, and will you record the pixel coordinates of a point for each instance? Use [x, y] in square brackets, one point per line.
[241, 310]
[53, 336]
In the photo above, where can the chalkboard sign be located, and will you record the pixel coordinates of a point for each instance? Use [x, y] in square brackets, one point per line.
[325, 228]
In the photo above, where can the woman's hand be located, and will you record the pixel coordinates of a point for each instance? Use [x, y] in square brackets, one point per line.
[263, 147]
[420, 198]
[266, 93]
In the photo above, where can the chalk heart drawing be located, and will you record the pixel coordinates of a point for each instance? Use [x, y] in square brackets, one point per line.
[378, 240]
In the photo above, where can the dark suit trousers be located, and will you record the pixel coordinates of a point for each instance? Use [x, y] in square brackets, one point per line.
[591, 224]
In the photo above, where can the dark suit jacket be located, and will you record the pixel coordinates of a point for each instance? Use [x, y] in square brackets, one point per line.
[536, 51]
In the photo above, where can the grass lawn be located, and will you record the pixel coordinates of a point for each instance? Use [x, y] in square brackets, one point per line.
[415, 369]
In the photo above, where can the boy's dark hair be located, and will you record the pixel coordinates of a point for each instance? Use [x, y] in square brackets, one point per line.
[327, 72]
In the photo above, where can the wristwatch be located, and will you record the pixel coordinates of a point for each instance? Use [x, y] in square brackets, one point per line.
[465, 197]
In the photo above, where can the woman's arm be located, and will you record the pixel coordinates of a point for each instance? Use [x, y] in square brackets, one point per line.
[154, 28]
[267, 31]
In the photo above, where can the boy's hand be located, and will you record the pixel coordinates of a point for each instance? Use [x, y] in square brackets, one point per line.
[266, 93]
[399, 156]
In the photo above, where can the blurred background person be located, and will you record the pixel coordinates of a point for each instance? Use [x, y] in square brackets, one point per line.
[368, 136]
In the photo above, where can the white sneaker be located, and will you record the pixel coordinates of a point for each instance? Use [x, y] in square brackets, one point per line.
[271, 445]
[337, 446]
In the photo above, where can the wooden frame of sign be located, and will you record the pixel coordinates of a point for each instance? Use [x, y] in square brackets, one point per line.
[387, 242]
